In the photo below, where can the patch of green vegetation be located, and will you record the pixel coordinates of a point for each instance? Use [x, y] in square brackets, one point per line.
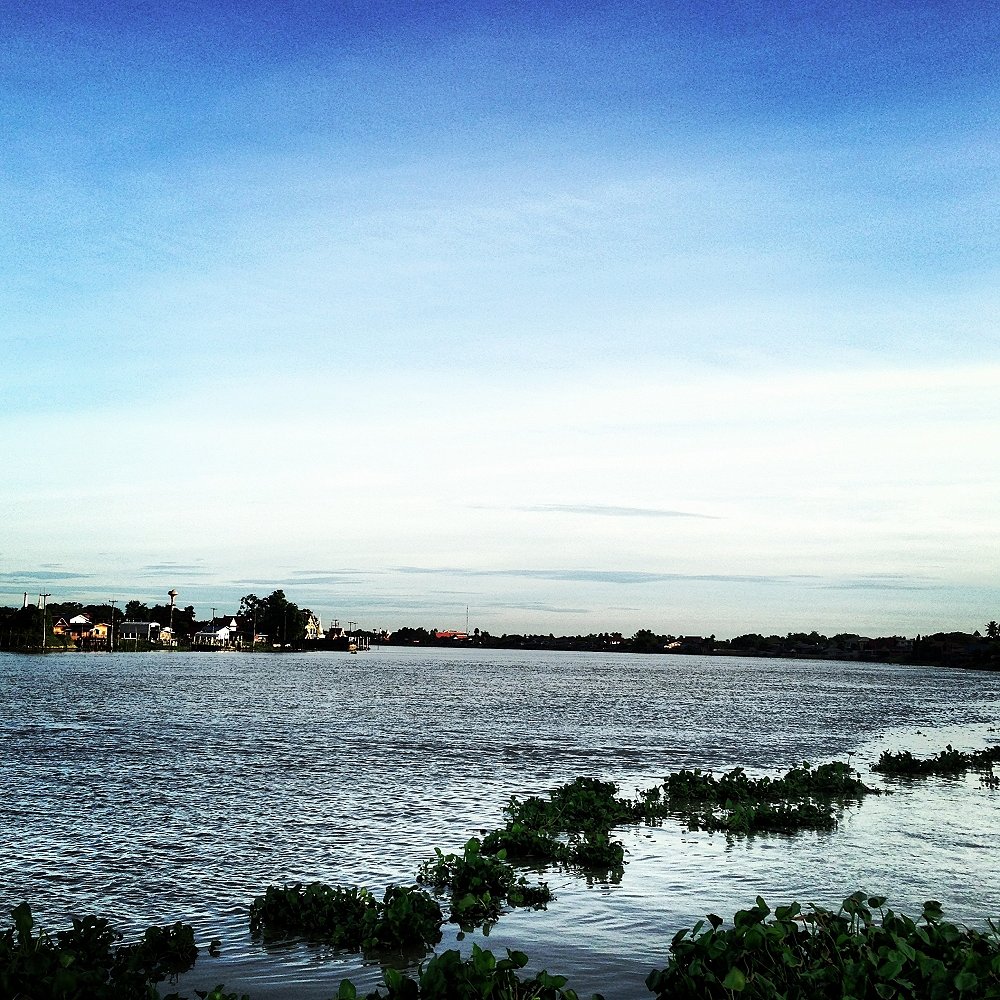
[335, 915]
[595, 851]
[523, 845]
[580, 805]
[948, 761]
[571, 827]
[764, 817]
[481, 976]
[407, 919]
[819, 953]
[828, 781]
[804, 798]
[479, 884]
[88, 962]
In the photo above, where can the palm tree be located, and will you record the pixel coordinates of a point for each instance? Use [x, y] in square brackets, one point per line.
[993, 631]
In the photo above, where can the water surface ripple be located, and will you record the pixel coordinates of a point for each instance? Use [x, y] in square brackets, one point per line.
[164, 786]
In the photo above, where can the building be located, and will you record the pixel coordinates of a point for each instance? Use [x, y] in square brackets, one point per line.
[314, 627]
[139, 632]
[226, 636]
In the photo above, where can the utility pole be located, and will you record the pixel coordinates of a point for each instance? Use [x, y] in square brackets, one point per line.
[111, 628]
[41, 601]
[172, 594]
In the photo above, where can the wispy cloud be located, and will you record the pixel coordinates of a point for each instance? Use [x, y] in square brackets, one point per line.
[170, 569]
[887, 582]
[600, 510]
[42, 575]
[551, 609]
[592, 575]
[296, 580]
[332, 572]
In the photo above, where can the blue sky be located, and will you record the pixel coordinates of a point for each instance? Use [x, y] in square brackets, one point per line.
[587, 317]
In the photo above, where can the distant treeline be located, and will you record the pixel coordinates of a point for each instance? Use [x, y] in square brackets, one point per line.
[275, 616]
[943, 648]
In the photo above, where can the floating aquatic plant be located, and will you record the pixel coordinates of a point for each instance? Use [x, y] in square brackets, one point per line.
[481, 976]
[804, 798]
[89, 960]
[407, 919]
[948, 761]
[480, 884]
[815, 953]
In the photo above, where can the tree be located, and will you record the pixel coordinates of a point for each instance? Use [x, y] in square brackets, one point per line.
[65, 609]
[993, 631]
[104, 613]
[21, 628]
[645, 641]
[183, 618]
[276, 616]
[410, 636]
[136, 611]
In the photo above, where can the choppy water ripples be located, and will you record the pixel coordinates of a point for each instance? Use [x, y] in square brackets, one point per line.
[155, 787]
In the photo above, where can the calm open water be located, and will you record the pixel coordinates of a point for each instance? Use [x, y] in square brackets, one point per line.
[157, 787]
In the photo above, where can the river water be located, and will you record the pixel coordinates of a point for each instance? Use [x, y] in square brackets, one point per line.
[155, 787]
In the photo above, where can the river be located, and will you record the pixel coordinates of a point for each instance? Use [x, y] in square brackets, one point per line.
[153, 787]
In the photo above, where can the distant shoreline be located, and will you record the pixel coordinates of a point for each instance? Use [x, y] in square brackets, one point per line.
[946, 652]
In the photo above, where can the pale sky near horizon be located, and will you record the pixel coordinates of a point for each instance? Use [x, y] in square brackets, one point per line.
[585, 317]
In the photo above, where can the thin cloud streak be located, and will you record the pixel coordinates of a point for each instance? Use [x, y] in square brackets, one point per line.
[600, 510]
[168, 571]
[333, 572]
[592, 575]
[549, 609]
[42, 576]
[299, 581]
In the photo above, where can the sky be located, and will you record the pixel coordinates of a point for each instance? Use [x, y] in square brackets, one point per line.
[583, 317]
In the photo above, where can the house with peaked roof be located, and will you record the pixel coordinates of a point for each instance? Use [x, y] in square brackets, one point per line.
[225, 636]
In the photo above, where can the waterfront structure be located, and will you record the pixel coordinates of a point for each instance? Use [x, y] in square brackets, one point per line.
[139, 632]
[314, 627]
[227, 636]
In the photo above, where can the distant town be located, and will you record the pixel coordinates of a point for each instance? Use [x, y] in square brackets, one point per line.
[274, 623]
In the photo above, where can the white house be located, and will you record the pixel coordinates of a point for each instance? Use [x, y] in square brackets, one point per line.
[220, 637]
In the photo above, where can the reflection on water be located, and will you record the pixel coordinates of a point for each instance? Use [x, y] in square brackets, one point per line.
[157, 787]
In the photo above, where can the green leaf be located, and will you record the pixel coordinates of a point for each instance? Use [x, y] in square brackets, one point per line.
[23, 920]
[893, 966]
[966, 981]
[550, 982]
[735, 980]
